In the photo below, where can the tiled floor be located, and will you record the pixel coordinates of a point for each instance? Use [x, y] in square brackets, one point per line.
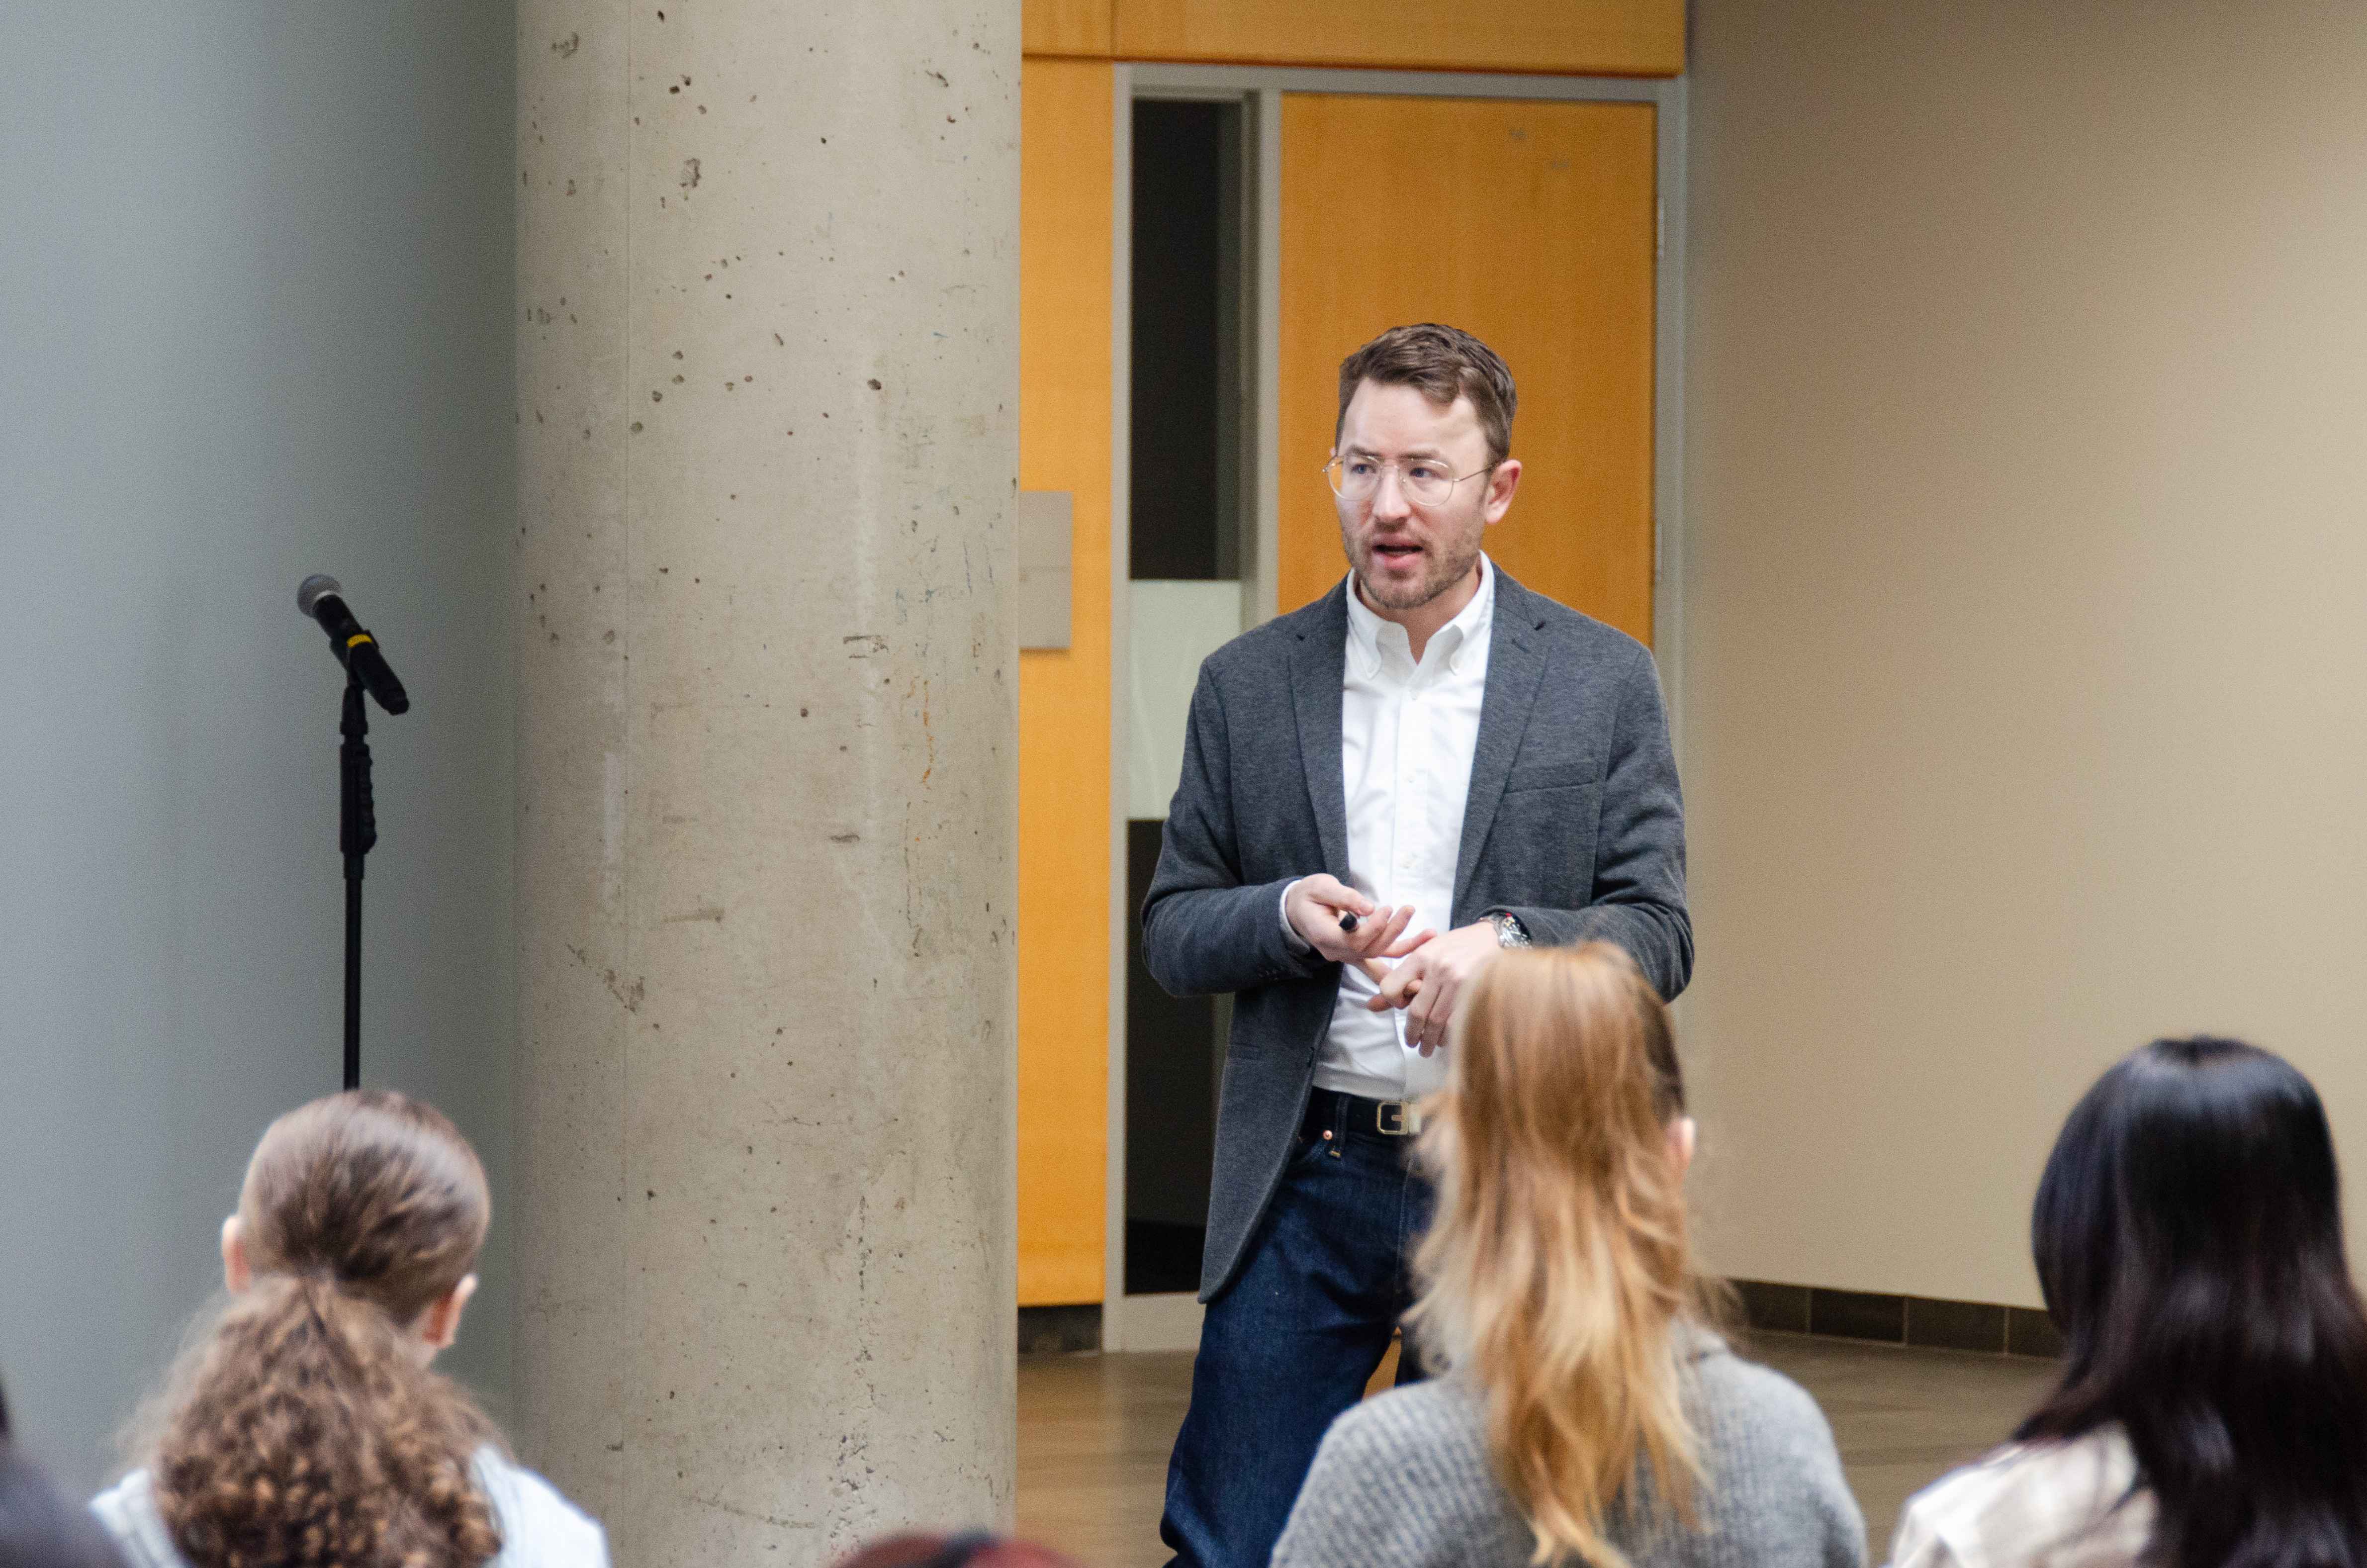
[1094, 1430]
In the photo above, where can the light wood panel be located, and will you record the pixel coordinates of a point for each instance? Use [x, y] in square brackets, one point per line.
[1064, 695]
[1066, 27]
[1542, 244]
[1610, 38]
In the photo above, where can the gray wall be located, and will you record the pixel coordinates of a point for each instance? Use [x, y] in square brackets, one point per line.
[255, 285]
[2026, 546]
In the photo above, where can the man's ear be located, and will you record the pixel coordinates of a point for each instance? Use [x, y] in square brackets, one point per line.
[439, 1325]
[1682, 1133]
[1500, 485]
[237, 1272]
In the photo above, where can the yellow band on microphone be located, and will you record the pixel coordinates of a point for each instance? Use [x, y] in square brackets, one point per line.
[357, 637]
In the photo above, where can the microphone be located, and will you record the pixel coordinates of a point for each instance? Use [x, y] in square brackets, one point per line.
[321, 599]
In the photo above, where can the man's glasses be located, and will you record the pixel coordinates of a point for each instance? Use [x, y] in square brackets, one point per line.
[1425, 479]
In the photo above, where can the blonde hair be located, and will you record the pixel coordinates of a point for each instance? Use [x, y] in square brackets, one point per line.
[1557, 1265]
[305, 1428]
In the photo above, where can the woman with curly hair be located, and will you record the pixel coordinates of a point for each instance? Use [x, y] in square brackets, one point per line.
[307, 1429]
[2212, 1409]
[1587, 1413]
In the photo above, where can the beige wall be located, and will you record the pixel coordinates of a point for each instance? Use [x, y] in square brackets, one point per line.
[2025, 595]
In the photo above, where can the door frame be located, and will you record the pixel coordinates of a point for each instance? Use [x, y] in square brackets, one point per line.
[1173, 1322]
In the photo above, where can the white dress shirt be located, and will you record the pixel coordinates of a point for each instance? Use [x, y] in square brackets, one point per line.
[1406, 735]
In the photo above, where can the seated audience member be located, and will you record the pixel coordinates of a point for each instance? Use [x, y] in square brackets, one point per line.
[2211, 1410]
[39, 1527]
[1587, 1414]
[306, 1428]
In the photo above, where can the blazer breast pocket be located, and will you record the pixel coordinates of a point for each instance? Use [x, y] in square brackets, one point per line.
[1552, 776]
[1542, 844]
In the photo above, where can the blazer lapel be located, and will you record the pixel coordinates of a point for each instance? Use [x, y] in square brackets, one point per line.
[1318, 666]
[1515, 662]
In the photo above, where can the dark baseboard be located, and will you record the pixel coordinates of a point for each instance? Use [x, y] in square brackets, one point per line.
[1897, 1320]
[1781, 1308]
[1059, 1331]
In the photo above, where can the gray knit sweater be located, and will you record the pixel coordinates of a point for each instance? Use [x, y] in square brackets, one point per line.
[1406, 1480]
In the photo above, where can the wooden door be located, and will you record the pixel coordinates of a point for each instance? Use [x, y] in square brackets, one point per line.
[1532, 225]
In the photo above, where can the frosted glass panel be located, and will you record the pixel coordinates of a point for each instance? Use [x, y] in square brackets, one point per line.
[1175, 625]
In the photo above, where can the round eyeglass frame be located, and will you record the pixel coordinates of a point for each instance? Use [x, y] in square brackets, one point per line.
[1335, 472]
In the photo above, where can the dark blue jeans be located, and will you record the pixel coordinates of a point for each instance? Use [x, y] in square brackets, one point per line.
[1293, 1338]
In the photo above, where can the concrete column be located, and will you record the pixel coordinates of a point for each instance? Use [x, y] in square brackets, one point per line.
[767, 395]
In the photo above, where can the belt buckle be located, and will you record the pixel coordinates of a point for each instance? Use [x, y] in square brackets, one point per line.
[1399, 1119]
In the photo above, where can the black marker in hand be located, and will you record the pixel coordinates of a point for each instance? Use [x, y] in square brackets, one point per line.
[1348, 921]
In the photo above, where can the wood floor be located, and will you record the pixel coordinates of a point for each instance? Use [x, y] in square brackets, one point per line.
[1094, 1431]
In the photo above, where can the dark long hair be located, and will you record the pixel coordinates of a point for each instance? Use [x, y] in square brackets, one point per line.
[2188, 1233]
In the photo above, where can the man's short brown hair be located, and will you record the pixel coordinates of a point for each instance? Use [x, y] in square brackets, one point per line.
[1442, 363]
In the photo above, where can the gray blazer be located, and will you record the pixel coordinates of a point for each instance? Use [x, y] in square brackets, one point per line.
[1573, 823]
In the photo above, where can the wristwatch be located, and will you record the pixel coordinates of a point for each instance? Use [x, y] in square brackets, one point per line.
[1510, 932]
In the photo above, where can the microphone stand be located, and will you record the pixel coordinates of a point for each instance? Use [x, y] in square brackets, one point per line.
[357, 833]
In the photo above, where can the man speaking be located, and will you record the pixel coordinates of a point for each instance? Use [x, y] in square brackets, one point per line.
[1379, 792]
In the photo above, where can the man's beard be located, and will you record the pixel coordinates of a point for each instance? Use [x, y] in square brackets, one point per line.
[1443, 577]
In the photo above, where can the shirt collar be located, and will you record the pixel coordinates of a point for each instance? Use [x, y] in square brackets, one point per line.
[1454, 641]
